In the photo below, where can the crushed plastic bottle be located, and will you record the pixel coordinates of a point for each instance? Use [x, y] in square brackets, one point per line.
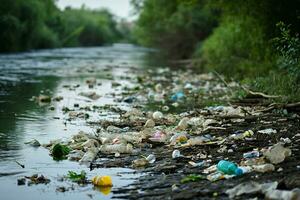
[149, 123]
[251, 154]
[157, 115]
[183, 124]
[138, 163]
[158, 136]
[176, 154]
[177, 96]
[229, 168]
[151, 158]
[215, 176]
[241, 135]
[264, 168]
[277, 153]
[116, 148]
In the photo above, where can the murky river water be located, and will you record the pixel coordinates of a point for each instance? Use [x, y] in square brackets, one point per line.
[24, 75]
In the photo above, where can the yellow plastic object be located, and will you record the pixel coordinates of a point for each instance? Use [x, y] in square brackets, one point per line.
[105, 189]
[248, 133]
[181, 139]
[104, 181]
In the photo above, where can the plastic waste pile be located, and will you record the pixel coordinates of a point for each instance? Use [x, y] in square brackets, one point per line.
[162, 121]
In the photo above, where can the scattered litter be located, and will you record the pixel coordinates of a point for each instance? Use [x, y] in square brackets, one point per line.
[89, 156]
[36, 179]
[283, 194]
[104, 181]
[21, 181]
[251, 154]
[43, 99]
[33, 143]
[229, 168]
[158, 137]
[142, 162]
[177, 96]
[116, 148]
[90, 95]
[268, 131]
[264, 168]
[157, 115]
[215, 176]
[277, 153]
[176, 154]
[198, 164]
[151, 158]
[183, 124]
[251, 187]
[149, 123]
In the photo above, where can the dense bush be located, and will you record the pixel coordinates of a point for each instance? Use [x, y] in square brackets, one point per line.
[288, 47]
[22, 24]
[34, 24]
[88, 27]
[283, 80]
[176, 27]
[239, 45]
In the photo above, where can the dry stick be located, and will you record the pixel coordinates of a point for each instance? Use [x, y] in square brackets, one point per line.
[277, 105]
[221, 78]
[259, 93]
[23, 166]
[225, 83]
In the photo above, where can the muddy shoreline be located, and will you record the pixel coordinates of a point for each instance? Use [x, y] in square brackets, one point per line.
[163, 177]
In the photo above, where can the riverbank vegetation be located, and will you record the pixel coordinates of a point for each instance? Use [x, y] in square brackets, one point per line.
[252, 40]
[36, 24]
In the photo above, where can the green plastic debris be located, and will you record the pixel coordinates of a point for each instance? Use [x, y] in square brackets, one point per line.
[77, 177]
[192, 178]
[60, 151]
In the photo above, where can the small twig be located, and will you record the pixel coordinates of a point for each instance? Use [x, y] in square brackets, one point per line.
[23, 166]
[222, 79]
[225, 83]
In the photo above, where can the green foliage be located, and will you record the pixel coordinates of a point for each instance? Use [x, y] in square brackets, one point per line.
[192, 178]
[288, 47]
[238, 45]
[77, 177]
[88, 28]
[173, 26]
[278, 83]
[285, 80]
[60, 151]
[241, 45]
[34, 24]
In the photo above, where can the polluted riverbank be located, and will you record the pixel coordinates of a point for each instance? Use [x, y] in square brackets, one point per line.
[172, 133]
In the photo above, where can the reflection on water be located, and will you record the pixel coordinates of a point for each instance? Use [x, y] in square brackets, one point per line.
[24, 75]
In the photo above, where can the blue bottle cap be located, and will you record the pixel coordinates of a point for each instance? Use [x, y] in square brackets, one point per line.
[238, 171]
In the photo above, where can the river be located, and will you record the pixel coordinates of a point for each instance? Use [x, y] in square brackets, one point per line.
[55, 72]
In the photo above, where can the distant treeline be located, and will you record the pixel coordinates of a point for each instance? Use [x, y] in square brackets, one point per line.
[35, 24]
[249, 39]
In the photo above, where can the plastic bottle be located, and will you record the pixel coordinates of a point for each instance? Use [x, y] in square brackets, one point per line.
[251, 154]
[228, 167]
[177, 96]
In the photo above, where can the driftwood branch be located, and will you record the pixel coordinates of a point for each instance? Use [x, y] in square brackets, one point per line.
[260, 94]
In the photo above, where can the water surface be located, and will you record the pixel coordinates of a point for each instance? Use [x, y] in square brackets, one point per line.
[56, 72]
